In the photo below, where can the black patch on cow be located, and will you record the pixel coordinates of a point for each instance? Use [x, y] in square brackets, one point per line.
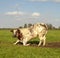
[19, 34]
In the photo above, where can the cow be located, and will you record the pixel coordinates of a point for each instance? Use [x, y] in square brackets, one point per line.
[26, 34]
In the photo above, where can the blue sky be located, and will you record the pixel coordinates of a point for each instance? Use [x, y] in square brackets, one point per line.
[15, 13]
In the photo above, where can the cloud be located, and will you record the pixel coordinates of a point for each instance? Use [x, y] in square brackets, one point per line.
[14, 13]
[35, 14]
[45, 1]
[56, 0]
[38, 0]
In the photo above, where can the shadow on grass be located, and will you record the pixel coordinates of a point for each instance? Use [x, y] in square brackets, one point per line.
[30, 42]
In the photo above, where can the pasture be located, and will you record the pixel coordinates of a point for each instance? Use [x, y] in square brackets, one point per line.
[51, 50]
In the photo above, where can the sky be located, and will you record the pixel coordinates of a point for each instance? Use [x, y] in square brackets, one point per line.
[15, 13]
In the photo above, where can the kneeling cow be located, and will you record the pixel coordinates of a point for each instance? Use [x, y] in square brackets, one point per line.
[26, 34]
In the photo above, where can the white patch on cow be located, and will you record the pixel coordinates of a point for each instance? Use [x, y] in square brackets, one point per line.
[14, 32]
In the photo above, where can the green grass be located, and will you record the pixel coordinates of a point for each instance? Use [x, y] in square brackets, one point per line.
[53, 36]
[8, 50]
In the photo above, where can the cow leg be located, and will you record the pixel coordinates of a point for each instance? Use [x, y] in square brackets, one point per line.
[40, 43]
[25, 42]
[17, 42]
[44, 40]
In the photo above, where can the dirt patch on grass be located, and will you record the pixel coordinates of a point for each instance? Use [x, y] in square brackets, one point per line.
[53, 44]
[48, 44]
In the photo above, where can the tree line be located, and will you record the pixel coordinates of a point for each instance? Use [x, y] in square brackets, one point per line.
[50, 26]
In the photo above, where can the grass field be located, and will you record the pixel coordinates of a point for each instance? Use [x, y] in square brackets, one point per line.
[8, 50]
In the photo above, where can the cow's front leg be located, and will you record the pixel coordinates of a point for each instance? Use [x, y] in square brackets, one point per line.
[25, 42]
[16, 42]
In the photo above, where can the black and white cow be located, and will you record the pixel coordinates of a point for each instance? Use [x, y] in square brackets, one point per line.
[26, 34]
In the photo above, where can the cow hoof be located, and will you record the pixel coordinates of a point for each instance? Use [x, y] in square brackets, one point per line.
[43, 45]
[39, 45]
[14, 43]
[27, 45]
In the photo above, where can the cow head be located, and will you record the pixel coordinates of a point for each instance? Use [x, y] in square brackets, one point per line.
[13, 32]
[17, 33]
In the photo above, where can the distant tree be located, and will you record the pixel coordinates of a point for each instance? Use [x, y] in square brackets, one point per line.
[20, 27]
[29, 25]
[50, 26]
[25, 25]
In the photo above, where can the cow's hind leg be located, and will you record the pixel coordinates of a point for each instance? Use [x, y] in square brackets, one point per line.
[40, 43]
[42, 40]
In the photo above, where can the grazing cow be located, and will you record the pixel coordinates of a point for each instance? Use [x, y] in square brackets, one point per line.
[39, 29]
